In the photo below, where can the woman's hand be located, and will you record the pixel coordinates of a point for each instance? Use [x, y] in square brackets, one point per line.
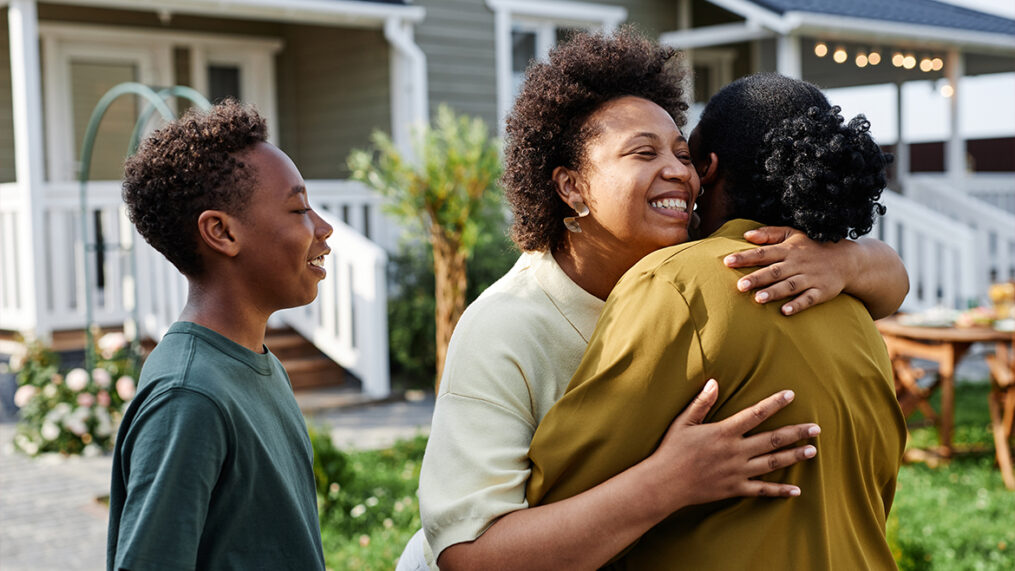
[716, 461]
[814, 272]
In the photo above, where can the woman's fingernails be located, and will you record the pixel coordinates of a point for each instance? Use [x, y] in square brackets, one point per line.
[709, 386]
[794, 491]
[762, 297]
[744, 285]
[810, 451]
[729, 260]
[787, 309]
[814, 430]
[787, 396]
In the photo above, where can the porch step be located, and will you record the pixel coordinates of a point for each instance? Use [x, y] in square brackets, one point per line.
[307, 366]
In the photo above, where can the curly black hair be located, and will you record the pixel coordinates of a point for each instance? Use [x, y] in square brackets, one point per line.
[548, 126]
[191, 165]
[789, 158]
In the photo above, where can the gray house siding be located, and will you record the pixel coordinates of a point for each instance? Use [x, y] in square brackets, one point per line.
[6, 105]
[333, 91]
[458, 40]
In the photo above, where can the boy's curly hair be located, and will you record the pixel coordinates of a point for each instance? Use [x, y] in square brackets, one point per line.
[789, 158]
[189, 166]
[547, 127]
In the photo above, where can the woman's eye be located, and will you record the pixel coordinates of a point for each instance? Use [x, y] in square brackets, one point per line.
[302, 210]
[646, 153]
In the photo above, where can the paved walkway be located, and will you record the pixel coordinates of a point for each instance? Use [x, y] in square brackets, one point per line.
[50, 519]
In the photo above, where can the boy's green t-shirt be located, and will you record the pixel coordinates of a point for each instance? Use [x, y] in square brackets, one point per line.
[213, 468]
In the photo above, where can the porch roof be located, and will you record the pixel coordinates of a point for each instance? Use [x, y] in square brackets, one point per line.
[919, 12]
[360, 13]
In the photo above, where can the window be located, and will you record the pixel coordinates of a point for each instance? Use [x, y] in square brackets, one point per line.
[527, 30]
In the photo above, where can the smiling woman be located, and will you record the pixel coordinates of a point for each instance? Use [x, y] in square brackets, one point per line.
[593, 144]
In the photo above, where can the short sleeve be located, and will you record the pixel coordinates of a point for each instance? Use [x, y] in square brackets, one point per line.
[643, 365]
[172, 457]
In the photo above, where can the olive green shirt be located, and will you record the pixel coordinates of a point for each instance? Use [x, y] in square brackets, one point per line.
[673, 321]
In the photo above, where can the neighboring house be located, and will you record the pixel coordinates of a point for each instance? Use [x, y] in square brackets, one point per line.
[328, 72]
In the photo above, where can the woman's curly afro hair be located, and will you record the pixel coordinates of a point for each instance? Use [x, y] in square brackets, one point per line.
[789, 158]
[547, 127]
[191, 165]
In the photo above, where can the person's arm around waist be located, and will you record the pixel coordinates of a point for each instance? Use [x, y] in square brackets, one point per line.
[695, 463]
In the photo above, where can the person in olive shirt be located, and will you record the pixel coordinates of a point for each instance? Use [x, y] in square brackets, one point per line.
[769, 150]
[213, 467]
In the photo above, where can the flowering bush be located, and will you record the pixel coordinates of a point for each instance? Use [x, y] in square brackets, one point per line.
[72, 412]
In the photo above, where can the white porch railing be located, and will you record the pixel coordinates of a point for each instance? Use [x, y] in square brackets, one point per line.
[995, 188]
[348, 322]
[939, 253]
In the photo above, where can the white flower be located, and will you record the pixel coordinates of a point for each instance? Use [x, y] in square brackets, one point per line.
[76, 422]
[24, 394]
[357, 511]
[101, 378]
[50, 431]
[17, 361]
[125, 387]
[49, 391]
[371, 502]
[60, 410]
[105, 424]
[77, 379]
[110, 343]
[91, 451]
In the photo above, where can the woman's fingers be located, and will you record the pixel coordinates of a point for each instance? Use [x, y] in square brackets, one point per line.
[758, 444]
[760, 256]
[769, 234]
[699, 407]
[749, 418]
[761, 488]
[777, 460]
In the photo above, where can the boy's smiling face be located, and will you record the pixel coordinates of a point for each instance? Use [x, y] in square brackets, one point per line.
[283, 243]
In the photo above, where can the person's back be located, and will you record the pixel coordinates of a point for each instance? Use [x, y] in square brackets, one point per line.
[833, 358]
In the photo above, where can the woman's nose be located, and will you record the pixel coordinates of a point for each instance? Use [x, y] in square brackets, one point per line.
[322, 229]
[677, 169]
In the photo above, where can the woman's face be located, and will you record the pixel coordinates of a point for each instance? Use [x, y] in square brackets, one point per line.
[638, 180]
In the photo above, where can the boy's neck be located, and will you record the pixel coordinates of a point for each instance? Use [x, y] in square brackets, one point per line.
[226, 314]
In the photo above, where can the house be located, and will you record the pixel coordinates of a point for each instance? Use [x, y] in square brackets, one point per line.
[328, 72]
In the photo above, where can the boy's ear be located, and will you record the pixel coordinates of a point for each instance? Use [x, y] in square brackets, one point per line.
[216, 230]
[709, 171]
[567, 182]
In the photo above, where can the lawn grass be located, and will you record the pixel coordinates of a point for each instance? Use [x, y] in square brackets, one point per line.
[955, 516]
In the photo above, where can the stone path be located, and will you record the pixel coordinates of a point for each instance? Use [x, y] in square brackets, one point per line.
[50, 519]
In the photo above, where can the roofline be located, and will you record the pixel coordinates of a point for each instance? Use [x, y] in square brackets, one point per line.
[864, 29]
[327, 12]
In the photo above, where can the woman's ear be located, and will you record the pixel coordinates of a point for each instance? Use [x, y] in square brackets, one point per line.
[708, 171]
[568, 182]
[216, 230]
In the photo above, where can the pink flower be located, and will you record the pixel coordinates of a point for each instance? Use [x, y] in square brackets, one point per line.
[104, 399]
[125, 387]
[24, 394]
[77, 379]
[101, 378]
[86, 399]
[110, 343]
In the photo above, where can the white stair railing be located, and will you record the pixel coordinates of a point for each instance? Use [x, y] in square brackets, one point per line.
[993, 227]
[349, 321]
[939, 253]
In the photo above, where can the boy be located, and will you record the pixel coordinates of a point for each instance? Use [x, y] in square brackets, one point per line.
[213, 468]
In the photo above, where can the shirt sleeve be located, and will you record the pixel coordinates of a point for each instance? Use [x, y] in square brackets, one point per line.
[643, 365]
[172, 455]
[476, 465]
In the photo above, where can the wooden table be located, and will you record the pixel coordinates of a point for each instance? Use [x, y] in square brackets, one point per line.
[943, 345]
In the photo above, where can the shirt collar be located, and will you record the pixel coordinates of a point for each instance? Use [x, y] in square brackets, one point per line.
[580, 308]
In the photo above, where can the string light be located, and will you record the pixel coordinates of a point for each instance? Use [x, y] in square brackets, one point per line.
[898, 59]
[937, 64]
[874, 58]
[820, 49]
[947, 90]
[926, 65]
[909, 62]
[840, 55]
[861, 60]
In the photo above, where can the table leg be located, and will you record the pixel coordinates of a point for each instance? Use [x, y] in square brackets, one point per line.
[953, 354]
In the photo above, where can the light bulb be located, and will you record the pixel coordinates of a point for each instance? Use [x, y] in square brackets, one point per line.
[820, 49]
[926, 65]
[937, 64]
[909, 62]
[874, 58]
[861, 60]
[840, 55]
[897, 59]
[947, 90]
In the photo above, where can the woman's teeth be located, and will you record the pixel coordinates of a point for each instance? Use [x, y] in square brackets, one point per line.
[318, 261]
[669, 203]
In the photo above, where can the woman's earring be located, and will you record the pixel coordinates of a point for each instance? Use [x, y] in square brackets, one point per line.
[571, 222]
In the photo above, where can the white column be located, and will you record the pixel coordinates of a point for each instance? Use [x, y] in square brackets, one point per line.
[502, 61]
[955, 147]
[26, 95]
[901, 144]
[409, 95]
[787, 56]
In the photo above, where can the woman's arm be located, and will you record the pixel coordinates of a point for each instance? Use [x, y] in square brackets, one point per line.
[695, 463]
[814, 272]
